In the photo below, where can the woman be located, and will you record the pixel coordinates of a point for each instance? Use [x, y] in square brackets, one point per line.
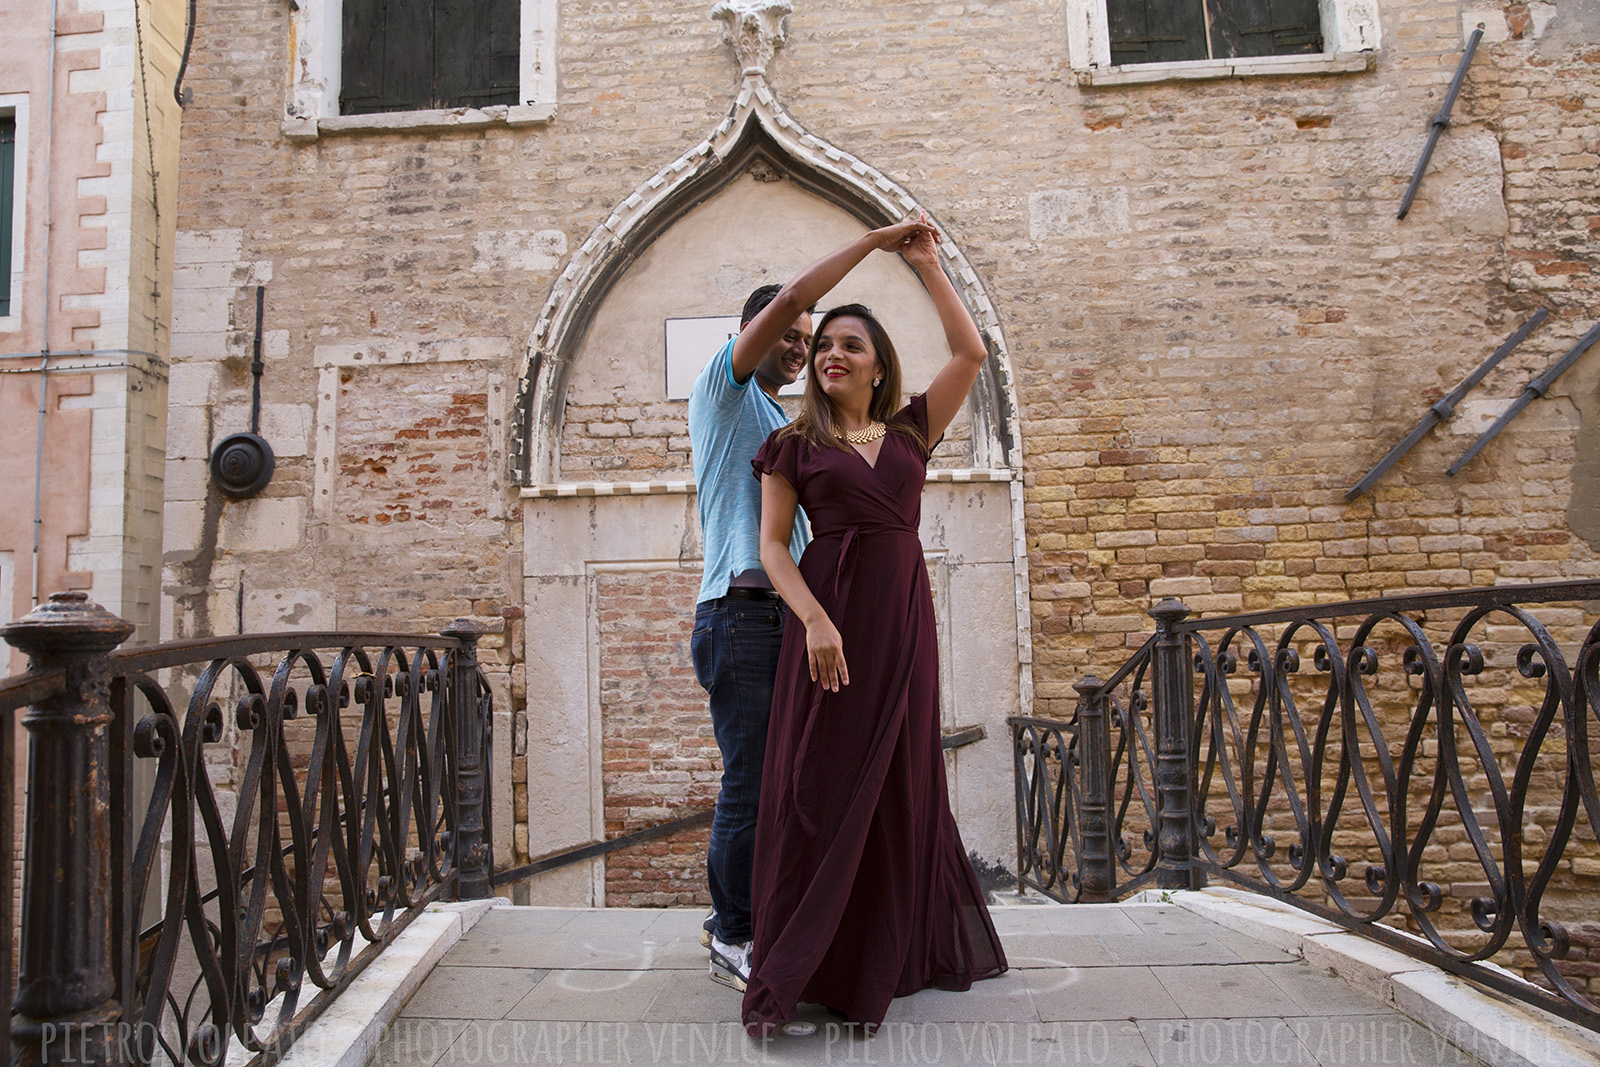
[862, 890]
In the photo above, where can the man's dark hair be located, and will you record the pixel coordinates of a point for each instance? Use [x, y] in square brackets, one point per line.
[760, 299]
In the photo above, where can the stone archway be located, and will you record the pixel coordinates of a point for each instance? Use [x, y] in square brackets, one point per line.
[617, 736]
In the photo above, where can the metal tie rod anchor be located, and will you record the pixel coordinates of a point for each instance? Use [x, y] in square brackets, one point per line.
[1445, 406]
[1538, 387]
[1441, 120]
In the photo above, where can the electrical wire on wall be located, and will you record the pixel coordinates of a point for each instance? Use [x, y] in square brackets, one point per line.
[44, 303]
[155, 187]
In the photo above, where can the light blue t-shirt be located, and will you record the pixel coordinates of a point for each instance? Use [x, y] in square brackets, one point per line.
[728, 424]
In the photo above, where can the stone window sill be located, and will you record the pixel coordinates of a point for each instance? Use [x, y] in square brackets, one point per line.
[1199, 70]
[301, 129]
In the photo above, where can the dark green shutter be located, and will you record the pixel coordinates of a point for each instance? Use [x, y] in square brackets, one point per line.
[411, 55]
[388, 56]
[476, 51]
[1265, 27]
[8, 154]
[1156, 31]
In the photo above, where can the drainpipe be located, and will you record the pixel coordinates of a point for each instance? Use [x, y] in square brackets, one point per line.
[44, 317]
[38, 470]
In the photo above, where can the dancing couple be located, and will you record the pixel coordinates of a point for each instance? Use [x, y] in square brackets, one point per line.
[837, 874]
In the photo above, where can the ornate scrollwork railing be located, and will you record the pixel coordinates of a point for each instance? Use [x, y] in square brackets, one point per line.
[1418, 769]
[1085, 804]
[281, 806]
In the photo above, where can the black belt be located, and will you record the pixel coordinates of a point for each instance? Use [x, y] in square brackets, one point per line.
[749, 592]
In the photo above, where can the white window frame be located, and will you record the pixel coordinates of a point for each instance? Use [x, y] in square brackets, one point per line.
[317, 45]
[1350, 34]
[15, 107]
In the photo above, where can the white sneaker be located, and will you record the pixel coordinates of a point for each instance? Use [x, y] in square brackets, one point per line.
[708, 928]
[730, 964]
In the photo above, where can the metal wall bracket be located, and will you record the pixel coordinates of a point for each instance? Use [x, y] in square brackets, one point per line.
[1445, 406]
[1441, 120]
[1538, 387]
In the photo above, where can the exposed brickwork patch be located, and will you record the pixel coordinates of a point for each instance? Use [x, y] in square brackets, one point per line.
[411, 439]
[660, 759]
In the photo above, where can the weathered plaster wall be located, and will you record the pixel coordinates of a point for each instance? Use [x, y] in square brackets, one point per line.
[1216, 324]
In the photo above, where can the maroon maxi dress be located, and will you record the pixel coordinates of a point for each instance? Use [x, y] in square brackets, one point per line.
[862, 891]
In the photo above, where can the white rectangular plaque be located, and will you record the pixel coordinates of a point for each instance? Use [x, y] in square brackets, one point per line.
[690, 345]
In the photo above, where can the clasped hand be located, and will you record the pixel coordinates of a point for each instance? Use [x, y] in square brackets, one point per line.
[915, 239]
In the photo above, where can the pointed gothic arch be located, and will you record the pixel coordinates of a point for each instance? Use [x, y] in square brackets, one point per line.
[576, 534]
[757, 128]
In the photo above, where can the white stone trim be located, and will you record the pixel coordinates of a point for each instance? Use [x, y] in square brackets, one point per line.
[316, 48]
[100, 551]
[1209, 69]
[117, 71]
[8, 582]
[309, 129]
[1350, 31]
[347, 1034]
[1495, 1029]
[671, 486]
[15, 106]
[754, 29]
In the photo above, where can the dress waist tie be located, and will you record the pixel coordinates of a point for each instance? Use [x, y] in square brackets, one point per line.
[843, 574]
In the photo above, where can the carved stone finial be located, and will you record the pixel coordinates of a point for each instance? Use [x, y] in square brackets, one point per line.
[755, 30]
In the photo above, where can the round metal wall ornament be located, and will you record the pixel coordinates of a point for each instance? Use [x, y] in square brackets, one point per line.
[242, 465]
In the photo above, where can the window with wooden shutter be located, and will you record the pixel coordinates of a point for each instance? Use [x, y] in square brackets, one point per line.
[416, 55]
[1156, 31]
[1264, 27]
[8, 151]
[1167, 31]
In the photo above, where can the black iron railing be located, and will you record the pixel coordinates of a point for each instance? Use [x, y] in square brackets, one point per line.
[1418, 769]
[222, 834]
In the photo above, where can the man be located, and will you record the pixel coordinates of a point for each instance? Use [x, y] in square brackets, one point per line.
[738, 623]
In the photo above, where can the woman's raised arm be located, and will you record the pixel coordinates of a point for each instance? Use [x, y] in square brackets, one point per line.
[967, 348]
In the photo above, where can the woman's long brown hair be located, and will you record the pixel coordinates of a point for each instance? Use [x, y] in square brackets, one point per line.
[816, 420]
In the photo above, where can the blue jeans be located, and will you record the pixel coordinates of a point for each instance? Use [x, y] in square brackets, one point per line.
[735, 649]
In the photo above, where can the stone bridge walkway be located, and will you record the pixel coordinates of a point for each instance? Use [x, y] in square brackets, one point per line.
[1136, 983]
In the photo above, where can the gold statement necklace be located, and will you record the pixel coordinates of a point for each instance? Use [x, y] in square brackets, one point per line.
[864, 436]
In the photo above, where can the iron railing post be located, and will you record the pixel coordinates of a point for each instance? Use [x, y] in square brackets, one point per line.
[1170, 685]
[470, 841]
[66, 1006]
[1094, 823]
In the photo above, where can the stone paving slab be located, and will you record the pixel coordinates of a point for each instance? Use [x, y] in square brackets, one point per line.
[452, 992]
[591, 995]
[1131, 984]
[1078, 994]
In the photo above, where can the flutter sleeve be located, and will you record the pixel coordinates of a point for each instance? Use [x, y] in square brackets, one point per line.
[915, 413]
[781, 454]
